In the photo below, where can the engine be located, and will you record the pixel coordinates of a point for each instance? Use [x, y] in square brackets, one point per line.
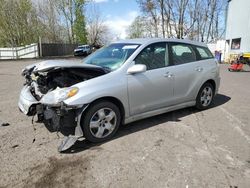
[45, 81]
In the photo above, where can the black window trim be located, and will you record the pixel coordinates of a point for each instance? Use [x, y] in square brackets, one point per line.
[167, 48]
[198, 56]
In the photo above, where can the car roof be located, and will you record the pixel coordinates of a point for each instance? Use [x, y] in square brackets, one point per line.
[153, 40]
[83, 46]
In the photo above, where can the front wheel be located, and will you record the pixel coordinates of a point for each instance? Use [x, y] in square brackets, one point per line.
[101, 121]
[205, 96]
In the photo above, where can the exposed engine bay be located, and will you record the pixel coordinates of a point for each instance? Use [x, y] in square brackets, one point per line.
[40, 82]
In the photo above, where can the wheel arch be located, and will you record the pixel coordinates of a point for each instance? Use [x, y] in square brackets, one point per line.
[211, 81]
[198, 103]
[115, 101]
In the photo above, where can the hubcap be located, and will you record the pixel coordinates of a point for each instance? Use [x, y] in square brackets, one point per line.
[103, 123]
[206, 96]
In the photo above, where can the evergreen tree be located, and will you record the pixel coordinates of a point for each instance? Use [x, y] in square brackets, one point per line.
[80, 24]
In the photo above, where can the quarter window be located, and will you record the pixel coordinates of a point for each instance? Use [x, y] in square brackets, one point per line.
[153, 56]
[182, 53]
[204, 53]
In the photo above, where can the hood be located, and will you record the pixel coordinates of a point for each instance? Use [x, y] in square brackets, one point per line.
[48, 75]
[54, 64]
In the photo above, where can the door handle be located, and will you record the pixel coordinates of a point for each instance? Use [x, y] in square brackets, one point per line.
[168, 75]
[199, 69]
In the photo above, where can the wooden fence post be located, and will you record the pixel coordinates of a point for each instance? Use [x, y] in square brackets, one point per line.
[40, 47]
[16, 53]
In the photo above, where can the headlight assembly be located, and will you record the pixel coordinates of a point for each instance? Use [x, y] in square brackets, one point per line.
[59, 95]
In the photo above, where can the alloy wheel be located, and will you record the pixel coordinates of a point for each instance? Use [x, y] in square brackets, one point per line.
[103, 122]
[206, 96]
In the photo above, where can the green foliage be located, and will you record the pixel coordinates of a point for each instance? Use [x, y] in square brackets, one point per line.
[79, 23]
[18, 23]
[22, 22]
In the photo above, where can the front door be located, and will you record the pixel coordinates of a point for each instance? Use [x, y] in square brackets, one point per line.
[152, 89]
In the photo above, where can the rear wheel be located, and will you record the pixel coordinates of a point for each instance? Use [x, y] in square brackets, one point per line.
[101, 121]
[205, 96]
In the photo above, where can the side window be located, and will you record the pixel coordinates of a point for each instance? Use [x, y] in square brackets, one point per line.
[154, 56]
[182, 53]
[204, 53]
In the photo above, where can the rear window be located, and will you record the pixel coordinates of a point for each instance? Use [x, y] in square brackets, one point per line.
[204, 53]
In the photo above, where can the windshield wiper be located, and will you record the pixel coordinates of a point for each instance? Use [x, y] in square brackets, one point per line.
[106, 69]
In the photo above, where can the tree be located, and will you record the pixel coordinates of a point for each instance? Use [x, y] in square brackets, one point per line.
[161, 4]
[195, 19]
[181, 10]
[149, 8]
[137, 28]
[79, 23]
[98, 31]
[52, 28]
[18, 23]
[72, 13]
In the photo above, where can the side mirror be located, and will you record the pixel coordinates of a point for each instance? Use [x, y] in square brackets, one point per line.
[139, 68]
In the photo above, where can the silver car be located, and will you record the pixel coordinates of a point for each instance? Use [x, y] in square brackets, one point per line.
[124, 82]
[83, 50]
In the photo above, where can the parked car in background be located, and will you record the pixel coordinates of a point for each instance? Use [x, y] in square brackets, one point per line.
[120, 83]
[83, 50]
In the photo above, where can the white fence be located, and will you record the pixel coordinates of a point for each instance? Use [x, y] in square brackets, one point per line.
[28, 51]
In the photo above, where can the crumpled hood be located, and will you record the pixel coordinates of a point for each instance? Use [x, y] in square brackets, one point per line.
[52, 64]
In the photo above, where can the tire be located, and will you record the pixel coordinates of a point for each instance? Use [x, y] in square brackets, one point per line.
[205, 96]
[101, 121]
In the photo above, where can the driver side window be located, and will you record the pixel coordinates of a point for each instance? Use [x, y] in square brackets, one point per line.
[154, 56]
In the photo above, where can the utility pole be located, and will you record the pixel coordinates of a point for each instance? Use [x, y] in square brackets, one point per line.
[40, 47]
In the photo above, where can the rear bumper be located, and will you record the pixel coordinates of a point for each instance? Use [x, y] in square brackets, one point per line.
[26, 101]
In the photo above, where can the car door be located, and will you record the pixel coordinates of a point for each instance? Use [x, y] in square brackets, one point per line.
[152, 89]
[188, 71]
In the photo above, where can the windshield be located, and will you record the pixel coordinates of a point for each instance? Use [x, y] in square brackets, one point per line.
[112, 56]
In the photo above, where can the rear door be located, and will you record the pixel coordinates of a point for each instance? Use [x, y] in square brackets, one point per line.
[188, 71]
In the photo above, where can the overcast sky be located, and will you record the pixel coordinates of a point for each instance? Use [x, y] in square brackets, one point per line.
[118, 14]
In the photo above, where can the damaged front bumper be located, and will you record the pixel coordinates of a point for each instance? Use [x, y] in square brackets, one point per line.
[59, 117]
[27, 101]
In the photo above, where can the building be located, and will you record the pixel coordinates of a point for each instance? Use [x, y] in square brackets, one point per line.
[218, 49]
[237, 27]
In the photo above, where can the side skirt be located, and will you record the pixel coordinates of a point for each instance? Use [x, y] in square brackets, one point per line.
[159, 111]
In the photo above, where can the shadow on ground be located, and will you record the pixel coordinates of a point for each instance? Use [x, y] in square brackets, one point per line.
[124, 130]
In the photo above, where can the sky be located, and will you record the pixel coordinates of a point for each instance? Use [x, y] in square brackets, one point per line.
[117, 14]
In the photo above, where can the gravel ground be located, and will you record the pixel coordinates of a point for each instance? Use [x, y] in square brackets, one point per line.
[184, 148]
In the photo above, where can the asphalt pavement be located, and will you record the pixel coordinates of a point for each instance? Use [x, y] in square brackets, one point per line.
[185, 148]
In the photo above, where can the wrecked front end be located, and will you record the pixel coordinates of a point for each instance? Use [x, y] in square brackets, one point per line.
[44, 93]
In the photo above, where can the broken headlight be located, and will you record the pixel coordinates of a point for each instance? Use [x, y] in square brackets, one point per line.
[59, 95]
